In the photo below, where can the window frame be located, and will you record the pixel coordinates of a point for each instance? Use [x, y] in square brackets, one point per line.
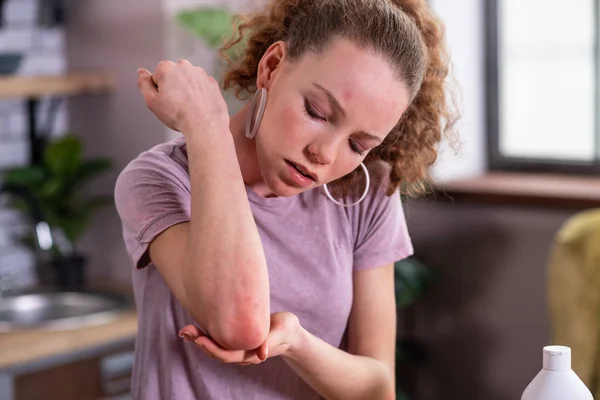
[499, 162]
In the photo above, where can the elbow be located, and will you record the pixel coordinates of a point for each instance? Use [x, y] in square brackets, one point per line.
[389, 392]
[243, 335]
[386, 388]
[391, 395]
[241, 328]
[386, 393]
[235, 334]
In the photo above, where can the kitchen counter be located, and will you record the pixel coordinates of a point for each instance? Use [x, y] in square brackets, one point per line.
[29, 350]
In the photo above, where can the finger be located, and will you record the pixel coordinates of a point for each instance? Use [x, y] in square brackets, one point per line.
[200, 69]
[282, 325]
[224, 355]
[142, 74]
[263, 351]
[208, 353]
[190, 332]
[161, 69]
[145, 84]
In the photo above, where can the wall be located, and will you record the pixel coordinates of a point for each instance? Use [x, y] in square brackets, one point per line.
[106, 35]
[485, 321]
[43, 51]
[118, 37]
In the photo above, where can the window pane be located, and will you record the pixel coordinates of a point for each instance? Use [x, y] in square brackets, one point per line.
[547, 79]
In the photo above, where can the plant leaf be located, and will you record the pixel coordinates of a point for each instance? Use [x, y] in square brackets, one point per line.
[213, 25]
[74, 226]
[29, 176]
[77, 221]
[97, 202]
[63, 156]
[89, 169]
[411, 279]
[50, 190]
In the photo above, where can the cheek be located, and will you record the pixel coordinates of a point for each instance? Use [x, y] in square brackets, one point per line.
[289, 115]
[291, 124]
[280, 122]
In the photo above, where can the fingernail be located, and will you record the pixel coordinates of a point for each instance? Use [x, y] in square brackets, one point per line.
[186, 337]
[266, 353]
[139, 70]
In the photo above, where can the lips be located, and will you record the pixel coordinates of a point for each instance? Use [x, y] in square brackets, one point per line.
[303, 170]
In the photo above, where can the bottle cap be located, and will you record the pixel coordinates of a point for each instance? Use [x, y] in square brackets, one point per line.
[557, 358]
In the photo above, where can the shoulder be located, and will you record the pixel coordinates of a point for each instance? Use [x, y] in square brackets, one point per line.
[380, 230]
[152, 193]
[155, 182]
[162, 158]
[377, 199]
[164, 163]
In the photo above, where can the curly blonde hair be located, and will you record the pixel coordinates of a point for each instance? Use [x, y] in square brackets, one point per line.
[404, 32]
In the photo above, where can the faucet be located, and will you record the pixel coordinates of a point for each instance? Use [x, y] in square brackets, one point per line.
[42, 232]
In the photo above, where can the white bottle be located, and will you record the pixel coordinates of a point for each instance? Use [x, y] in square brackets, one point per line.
[556, 381]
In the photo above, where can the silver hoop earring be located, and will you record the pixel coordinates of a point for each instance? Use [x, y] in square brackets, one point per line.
[366, 171]
[260, 98]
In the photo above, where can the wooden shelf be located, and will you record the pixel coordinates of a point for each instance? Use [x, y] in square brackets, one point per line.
[75, 83]
[526, 189]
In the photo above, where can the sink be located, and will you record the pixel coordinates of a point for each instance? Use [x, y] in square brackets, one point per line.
[60, 310]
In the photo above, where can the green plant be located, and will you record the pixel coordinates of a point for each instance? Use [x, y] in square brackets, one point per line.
[411, 280]
[213, 25]
[58, 186]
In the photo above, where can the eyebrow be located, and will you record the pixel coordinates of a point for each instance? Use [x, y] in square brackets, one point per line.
[336, 104]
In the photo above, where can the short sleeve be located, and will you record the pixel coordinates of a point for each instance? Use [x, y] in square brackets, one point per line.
[151, 194]
[381, 233]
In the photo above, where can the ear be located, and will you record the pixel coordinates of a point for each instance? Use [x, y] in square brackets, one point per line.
[271, 64]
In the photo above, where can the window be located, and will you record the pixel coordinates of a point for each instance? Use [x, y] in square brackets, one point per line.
[543, 85]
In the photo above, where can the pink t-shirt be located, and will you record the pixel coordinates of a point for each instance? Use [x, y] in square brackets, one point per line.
[312, 246]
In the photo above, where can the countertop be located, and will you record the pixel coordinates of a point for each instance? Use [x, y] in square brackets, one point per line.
[33, 349]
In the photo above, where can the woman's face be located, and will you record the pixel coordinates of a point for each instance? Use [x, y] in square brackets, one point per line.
[324, 114]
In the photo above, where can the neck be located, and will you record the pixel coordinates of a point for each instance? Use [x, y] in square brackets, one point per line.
[246, 153]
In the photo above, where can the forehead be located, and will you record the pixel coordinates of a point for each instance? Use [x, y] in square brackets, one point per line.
[362, 81]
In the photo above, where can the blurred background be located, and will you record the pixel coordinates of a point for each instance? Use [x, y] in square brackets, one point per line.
[506, 260]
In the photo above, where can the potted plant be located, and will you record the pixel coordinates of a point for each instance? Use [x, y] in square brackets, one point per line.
[57, 186]
[411, 280]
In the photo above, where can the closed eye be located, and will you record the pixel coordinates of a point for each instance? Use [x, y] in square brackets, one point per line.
[312, 113]
[310, 110]
[355, 147]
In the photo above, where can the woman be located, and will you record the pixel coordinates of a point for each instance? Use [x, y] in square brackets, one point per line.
[283, 285]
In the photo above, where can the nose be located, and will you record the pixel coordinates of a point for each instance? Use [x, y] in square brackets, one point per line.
[321, 153]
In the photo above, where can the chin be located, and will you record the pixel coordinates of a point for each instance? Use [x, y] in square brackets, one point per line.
[281, 189]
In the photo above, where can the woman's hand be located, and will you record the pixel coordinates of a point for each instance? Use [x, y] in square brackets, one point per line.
[183, 96]
[285, 329]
